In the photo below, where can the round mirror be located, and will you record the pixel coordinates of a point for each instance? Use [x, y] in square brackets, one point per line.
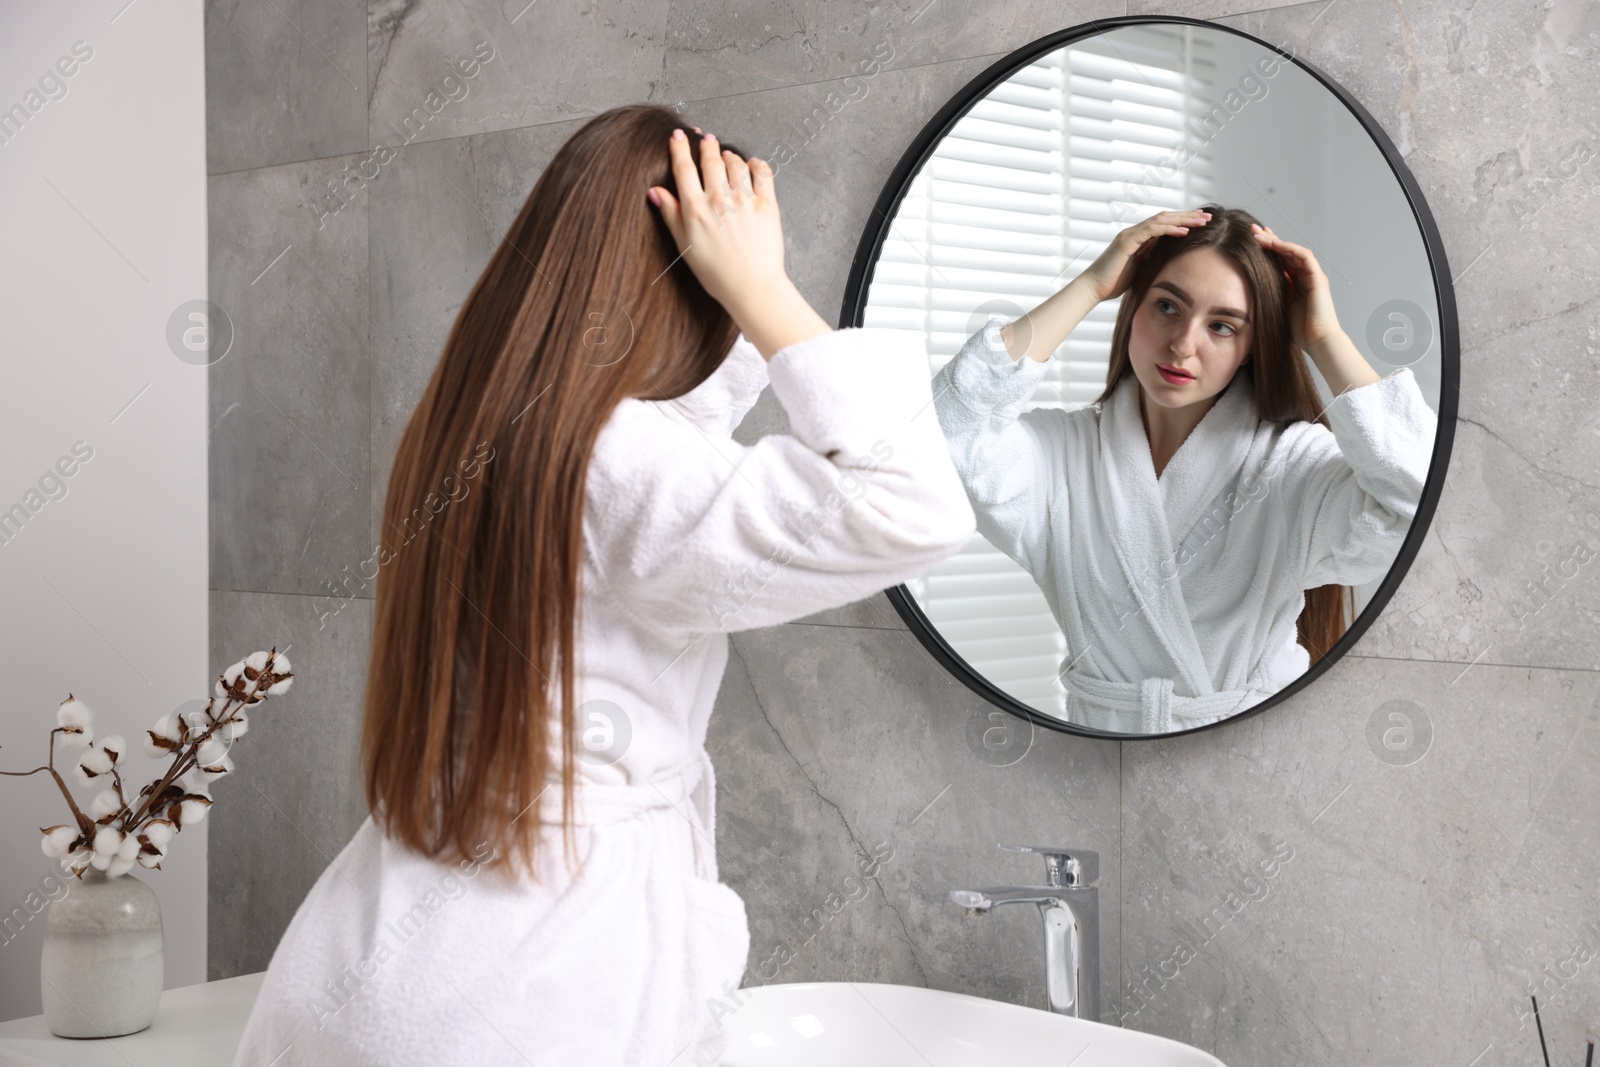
[1202, 454]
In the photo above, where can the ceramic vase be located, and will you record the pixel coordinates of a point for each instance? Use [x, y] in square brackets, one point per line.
[101, 974]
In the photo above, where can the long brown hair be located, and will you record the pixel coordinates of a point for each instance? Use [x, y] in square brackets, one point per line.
[585, 302]
[1284, 390]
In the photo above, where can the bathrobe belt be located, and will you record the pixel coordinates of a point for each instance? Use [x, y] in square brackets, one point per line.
[686, 789]
[1156, 707]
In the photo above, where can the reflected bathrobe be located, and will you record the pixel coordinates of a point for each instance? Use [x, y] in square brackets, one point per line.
[395, 958]
[1179, 595]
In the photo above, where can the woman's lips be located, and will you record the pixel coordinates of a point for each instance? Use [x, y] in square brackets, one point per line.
[1176, 377]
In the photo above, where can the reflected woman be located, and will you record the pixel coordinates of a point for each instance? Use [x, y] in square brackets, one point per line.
[1196, 529]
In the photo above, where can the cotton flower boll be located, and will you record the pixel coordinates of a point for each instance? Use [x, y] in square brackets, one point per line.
[199, 720]
[279, 687]
[76, 721]
[256, 661]
[235, 727]
[129, 848]
[157, 832]
[120, 866]
[192, 809]
[74, 714]
[93, 763]
[210, 772]
[149, 859]
[280, 664]
[77, 859]
[57, 839]
[211, 752]
[100, 861]
[107, 840]
[219, 689]
[231, 675]
[104, 803]
[114, 746]
[163, 740]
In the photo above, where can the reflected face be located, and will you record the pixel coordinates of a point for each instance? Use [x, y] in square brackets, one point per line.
[1192, 331]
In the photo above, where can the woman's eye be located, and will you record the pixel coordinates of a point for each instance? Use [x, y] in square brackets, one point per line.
[1163, 305]
[1225, 326]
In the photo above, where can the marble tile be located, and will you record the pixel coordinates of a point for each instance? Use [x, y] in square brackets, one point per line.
[295, 798]
[288, 403]
[285, 81]
[448, 68]
[874, 612]
[833, 743]
[1216, 10]
[1506, 573]
[1436, 889]
[717, 50]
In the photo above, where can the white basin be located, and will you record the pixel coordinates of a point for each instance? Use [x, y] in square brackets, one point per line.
[868, 1024]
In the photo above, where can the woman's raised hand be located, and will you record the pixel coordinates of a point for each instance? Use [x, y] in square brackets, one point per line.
[1110, 275]
[1312, 319]
[728, 230]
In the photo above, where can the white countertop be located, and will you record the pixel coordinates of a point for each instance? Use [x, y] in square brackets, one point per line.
[196, 1026]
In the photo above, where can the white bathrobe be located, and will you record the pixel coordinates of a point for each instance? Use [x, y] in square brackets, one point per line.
[1178, 596]
[395, 958]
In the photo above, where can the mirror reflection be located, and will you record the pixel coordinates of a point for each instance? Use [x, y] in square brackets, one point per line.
[1185, 355]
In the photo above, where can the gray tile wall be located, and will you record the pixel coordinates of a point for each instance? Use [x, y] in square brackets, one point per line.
[1410, 906]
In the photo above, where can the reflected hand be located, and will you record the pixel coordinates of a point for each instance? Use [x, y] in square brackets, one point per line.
[1311, 315]
[1110, 275]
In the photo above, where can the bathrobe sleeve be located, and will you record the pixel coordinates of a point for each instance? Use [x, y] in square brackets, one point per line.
[1361, 484]
[718, 404]
[1001, 451]
[693, 532]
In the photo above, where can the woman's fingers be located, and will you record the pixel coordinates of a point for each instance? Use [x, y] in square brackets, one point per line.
[1265, 234]
[738, 175]
[711, 165]
[671, 210]
[1168, 223]
[1298, 255]
[690, 193]
[1195, 217]
[726, 173]
[761, 178]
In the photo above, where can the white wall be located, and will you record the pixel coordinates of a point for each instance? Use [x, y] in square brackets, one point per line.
[103, 211]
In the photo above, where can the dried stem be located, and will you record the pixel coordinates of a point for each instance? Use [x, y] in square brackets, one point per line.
[85, 824]
[185, 758]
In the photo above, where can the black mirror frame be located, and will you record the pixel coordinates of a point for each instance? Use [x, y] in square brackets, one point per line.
[871, 245]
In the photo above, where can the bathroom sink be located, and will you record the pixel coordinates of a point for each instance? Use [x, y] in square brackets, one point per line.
[857, 1024]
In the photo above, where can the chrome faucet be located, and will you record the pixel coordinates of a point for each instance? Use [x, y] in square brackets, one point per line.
[1070, 907]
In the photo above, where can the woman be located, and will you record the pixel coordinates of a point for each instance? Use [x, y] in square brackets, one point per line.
[1193, 531]
[546, 650]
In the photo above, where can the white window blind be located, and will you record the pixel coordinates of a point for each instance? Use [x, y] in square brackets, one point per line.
[1017, 199]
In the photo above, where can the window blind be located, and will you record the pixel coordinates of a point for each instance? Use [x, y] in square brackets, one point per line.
[1022, 194]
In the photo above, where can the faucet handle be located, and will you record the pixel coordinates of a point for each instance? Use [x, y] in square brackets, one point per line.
[1065, 866]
